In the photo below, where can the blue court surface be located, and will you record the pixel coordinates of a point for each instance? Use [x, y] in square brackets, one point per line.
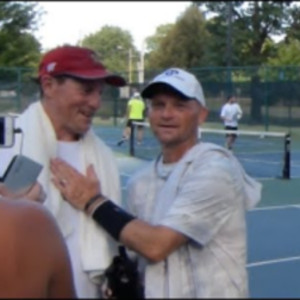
[273, 239]
[274, 252]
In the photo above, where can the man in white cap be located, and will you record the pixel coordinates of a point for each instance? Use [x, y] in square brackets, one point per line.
[135, 112]
[186, 210]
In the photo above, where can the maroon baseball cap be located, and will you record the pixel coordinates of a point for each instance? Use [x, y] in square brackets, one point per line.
[77, 62]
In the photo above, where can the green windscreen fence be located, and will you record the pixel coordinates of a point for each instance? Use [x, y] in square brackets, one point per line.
[269, 96]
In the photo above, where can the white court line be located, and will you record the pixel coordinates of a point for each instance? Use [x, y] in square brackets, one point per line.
[255, 152]
[272, 178]
[275, 207]
[273, 261]
[265, 178]
[280, 260]
[253, 160]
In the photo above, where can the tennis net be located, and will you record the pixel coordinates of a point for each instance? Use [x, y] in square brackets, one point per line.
[263, 154]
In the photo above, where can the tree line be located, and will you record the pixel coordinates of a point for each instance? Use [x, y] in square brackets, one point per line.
[207, 33]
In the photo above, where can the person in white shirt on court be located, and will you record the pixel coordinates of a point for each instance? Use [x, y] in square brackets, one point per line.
[231, 113]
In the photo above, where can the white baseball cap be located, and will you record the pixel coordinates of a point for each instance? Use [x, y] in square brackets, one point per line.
[180, 80]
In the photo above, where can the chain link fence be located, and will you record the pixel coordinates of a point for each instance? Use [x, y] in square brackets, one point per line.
[269, 96]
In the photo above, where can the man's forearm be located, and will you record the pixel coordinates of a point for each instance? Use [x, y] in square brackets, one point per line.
[153, 242]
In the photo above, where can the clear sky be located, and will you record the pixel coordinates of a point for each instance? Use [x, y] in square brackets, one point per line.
[68, 22]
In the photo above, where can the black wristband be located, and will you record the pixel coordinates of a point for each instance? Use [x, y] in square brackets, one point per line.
[112, 218]
[91, 201]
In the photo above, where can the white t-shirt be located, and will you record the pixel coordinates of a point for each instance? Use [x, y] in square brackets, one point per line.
[208, 207]
[231, 113]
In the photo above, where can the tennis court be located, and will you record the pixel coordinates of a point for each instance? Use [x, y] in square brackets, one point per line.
[273, 241]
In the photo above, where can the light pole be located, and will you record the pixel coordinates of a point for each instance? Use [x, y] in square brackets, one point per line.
[140, 64]
[229, 43]
[129, 65]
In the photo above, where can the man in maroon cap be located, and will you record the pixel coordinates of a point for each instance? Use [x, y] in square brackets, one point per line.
[71, 82]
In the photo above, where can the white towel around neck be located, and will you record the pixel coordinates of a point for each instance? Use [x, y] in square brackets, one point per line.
[40, 144]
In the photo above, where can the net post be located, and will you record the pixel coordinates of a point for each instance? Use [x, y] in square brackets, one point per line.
[131, 139]
[287, 157]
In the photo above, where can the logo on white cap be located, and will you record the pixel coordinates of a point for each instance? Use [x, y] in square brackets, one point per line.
[183, 81]
[171, 72]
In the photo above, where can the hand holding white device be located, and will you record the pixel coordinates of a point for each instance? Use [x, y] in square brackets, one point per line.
[21, 174]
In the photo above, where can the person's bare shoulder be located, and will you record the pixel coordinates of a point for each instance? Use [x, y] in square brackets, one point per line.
[24, 216]
[33, 256]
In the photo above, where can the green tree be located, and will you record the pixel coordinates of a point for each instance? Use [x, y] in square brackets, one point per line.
[184, 44]
[288, 54]
[115, 47]
[285, 60]
[153, 46]
[246, 26]
[18, 46]
[24, 51]
[153, 42]
[244, 29]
